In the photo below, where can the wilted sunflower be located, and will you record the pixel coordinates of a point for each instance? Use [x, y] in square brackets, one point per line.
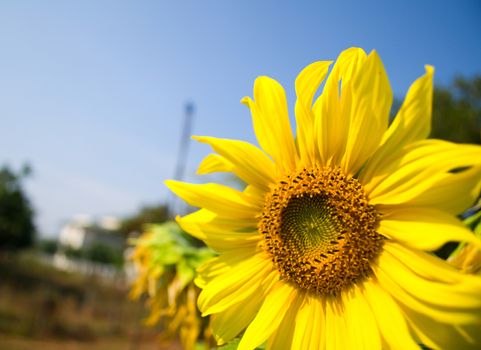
[165, 262]
[326, 246]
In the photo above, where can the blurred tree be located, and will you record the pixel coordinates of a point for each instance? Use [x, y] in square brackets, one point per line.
[48, 246]
[457, 111]
[17, 229]
[72, 252]
[102, 253]
[146, 215]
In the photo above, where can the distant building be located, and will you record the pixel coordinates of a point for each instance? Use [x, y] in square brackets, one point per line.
[82, 233]
[91, 247]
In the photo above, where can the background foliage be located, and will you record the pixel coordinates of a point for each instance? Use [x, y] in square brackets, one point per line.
[17, 229]
[457, 111]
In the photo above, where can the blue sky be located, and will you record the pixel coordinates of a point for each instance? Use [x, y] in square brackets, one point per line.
[92, 92]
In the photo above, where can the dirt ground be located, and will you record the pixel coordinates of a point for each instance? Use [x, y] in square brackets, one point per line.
[44, 308]
[8, 342]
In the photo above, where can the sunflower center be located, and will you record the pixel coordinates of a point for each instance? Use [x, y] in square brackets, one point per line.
[306, 223]
[321, 230]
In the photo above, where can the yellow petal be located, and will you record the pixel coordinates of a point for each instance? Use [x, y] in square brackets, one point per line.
[234, 286]
[390, 320]
[420, 167]
[269, 317]
[412, 123]
[201, 222]
[282, 338]
[437, 335]
[221, 239]
[456, 303]
[307, 83]
[336, 331]
[304, 323]
[255, 194]
[201, 219]
[331, 125]
[427, 265]
[271, 122]
[453, 193]
[310, 331]
[209, 270]
[363, 332]
[318, 310]
[248, 162]
[228, 324]
[424, 228]
[218, 266]
[217, 198]
[366, 101]
[214, 163]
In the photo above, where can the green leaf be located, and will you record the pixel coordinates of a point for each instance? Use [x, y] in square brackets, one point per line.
[185, 273]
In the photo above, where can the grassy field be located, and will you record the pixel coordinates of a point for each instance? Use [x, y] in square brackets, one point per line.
[44, 308]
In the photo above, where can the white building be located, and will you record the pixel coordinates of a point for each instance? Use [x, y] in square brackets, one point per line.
[82, 233]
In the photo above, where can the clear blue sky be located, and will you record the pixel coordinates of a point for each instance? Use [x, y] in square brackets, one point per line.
[92, 92]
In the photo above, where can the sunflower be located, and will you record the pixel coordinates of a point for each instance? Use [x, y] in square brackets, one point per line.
[165, 262]
[329, 245]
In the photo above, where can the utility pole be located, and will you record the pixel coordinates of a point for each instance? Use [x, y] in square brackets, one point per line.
[182, 155]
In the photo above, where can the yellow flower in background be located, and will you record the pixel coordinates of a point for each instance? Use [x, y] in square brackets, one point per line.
[467, 257]
[165, 262]
[328, 245]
